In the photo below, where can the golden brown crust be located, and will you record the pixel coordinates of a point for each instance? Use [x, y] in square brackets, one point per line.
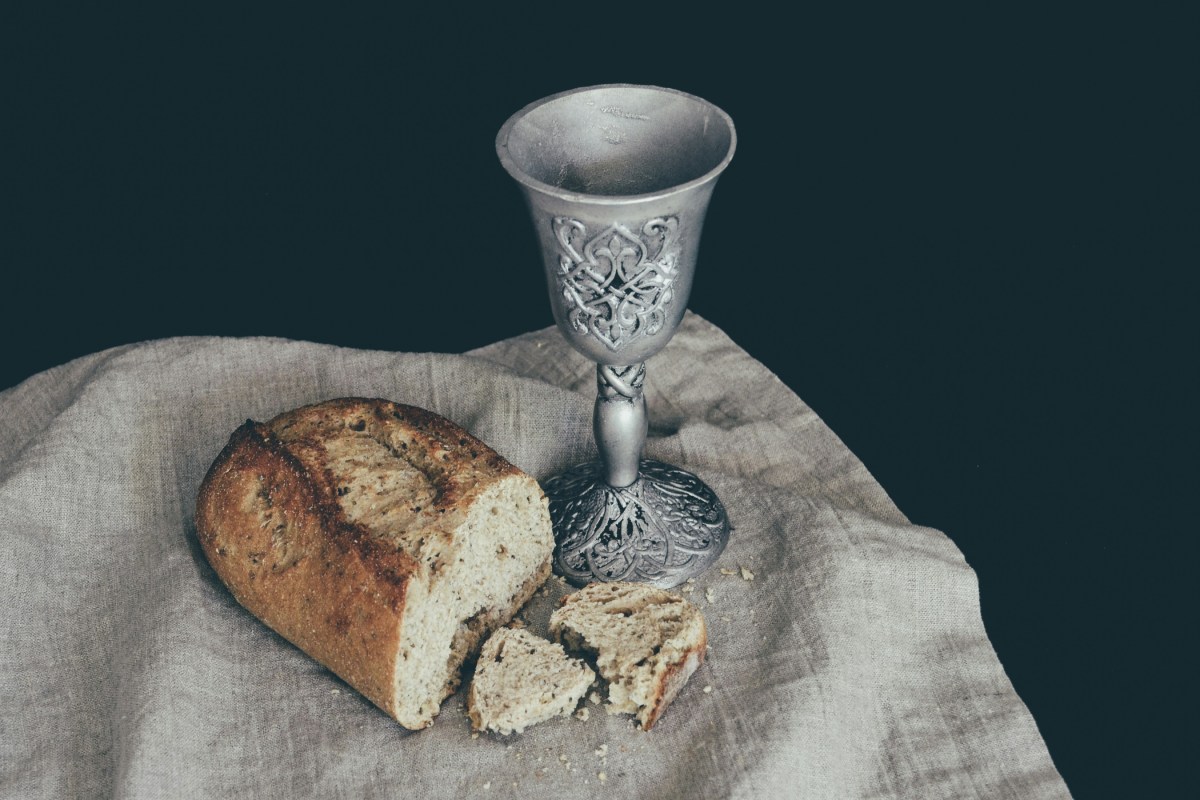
[269, 522]
[674, 679]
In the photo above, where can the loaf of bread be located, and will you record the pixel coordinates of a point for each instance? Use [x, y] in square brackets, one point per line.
[381, 539]
[646, 642]
[521, 680]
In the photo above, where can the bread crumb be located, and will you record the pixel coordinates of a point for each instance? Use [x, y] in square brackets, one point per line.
[335, 691]
[747, 575]
[475, 735]
[602, 750]
[487, 785]
[687, 588]
[603, 776]
[583, 714]
[691, 580]
[594, 698]
[709, 596]
[725, 571]
[708, 689]
[563, 759]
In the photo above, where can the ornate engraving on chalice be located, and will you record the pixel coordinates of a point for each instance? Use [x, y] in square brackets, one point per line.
[659, 529]
[618, 283]
[618, 179]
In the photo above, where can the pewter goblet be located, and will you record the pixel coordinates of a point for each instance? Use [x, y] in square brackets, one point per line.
[618, 179]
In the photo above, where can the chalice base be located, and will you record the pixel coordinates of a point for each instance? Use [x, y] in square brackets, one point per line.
[665, 527]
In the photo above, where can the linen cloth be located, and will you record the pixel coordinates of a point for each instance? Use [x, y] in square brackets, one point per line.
[854, 664]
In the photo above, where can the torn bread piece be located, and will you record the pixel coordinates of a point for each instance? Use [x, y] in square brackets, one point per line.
[647, 642]
[521, 680]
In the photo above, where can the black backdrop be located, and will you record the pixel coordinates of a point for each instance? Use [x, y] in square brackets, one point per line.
[944, 233]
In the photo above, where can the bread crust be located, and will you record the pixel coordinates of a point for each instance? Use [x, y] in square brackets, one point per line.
[674, 679]
[269, 521]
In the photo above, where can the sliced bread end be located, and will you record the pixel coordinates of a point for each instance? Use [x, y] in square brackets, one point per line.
[521, 680]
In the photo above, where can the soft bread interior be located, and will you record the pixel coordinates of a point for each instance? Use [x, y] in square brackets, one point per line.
[471, 581]
[521, 680]
[646, 642]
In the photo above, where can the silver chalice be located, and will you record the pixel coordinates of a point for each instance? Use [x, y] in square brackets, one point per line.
[618, 179]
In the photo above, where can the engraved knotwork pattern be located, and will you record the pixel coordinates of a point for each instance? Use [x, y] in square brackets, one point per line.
[614, 382]
[618, 284]
[662, 529]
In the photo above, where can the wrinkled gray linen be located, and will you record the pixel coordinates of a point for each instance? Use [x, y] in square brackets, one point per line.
[855, 664]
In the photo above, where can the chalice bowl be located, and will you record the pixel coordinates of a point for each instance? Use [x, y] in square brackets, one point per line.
[618, 179]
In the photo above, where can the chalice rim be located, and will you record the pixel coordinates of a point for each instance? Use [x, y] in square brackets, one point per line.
[522, 177]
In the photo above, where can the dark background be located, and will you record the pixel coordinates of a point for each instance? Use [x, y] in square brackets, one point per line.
[950, 235]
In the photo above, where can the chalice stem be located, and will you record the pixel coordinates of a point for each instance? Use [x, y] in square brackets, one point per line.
[619, 421]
